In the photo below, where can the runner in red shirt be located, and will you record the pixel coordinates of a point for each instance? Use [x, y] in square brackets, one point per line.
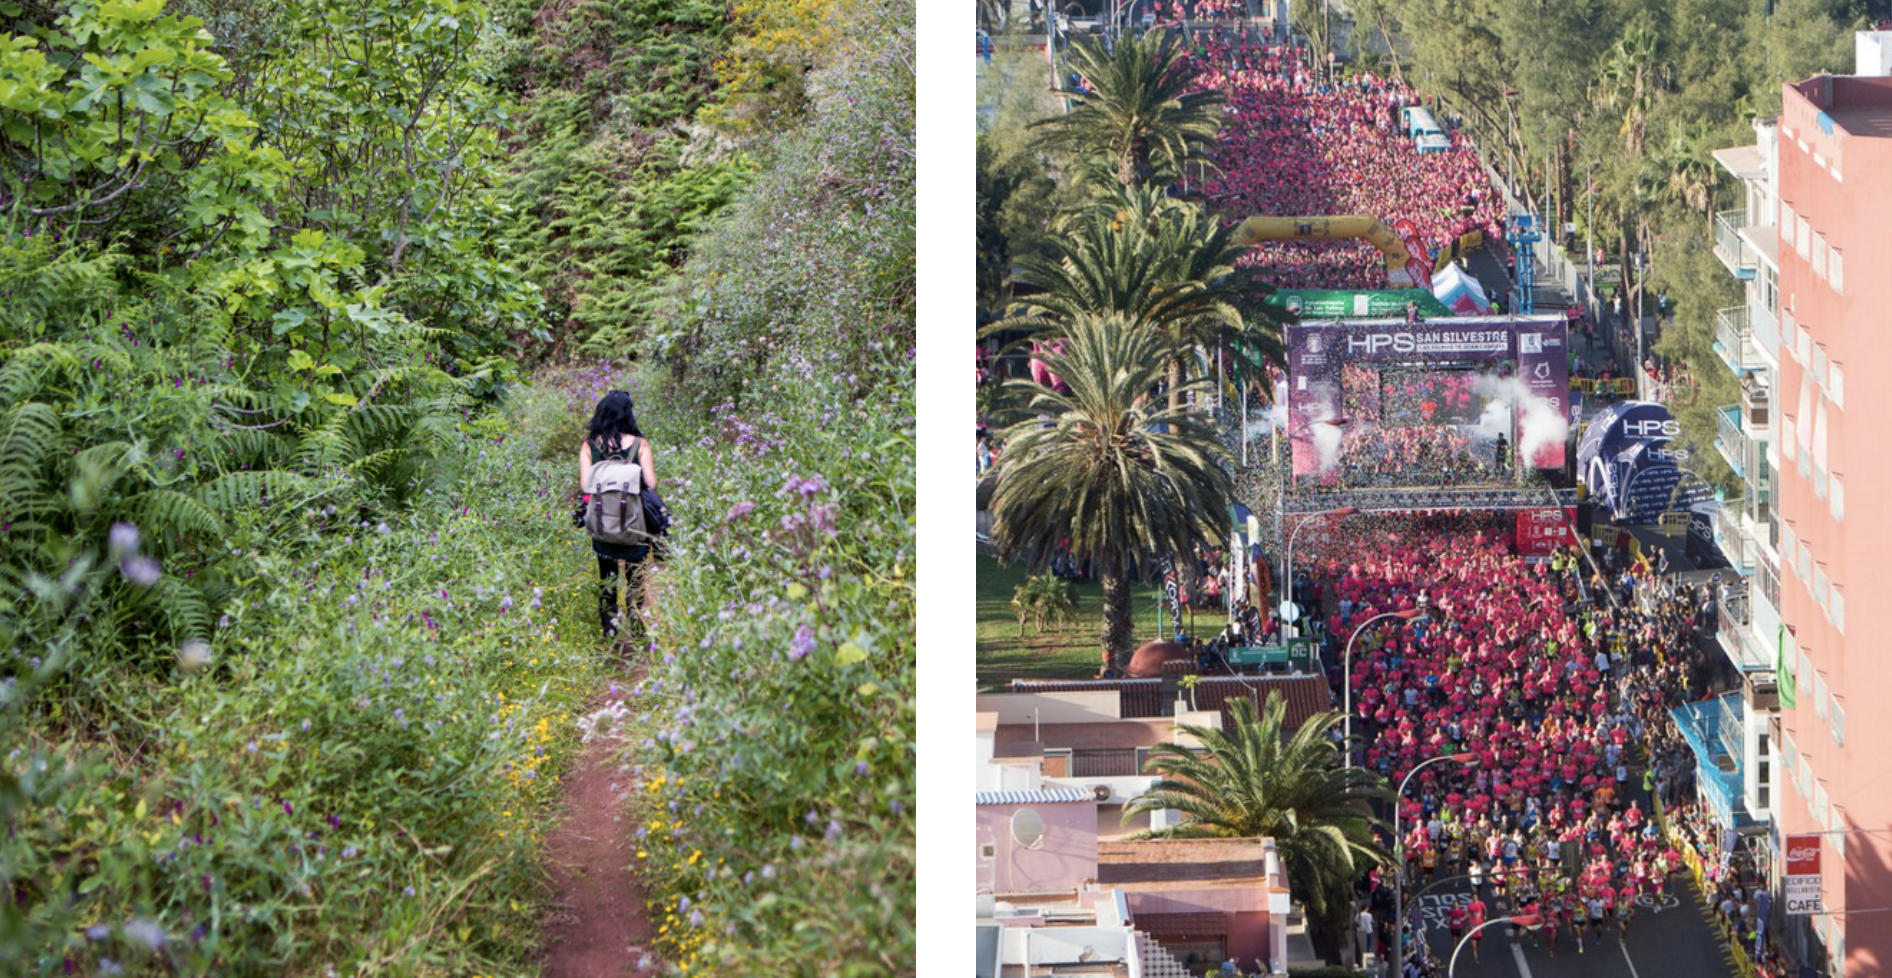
[1475, 915]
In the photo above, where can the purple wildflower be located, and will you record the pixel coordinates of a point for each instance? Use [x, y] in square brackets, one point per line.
[803, 642]
[142, 571]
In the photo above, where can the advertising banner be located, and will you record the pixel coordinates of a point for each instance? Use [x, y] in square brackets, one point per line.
[1358, 304]
[1800, 884]
[1544, 366]
[1540, 531]
[1471, 379]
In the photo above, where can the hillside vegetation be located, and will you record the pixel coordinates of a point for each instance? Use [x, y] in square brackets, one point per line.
[304, 306]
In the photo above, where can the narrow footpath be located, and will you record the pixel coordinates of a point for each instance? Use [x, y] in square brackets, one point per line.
[597, 926]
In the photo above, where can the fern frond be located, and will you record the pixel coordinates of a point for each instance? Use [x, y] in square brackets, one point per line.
[29, 435]
[246, 490]
[166, 513]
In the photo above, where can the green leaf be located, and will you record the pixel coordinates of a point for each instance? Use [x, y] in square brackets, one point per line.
[848, 654]
[300, 360]
[287, 320]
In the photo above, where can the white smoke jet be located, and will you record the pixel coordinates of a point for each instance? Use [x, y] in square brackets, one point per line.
[1272, 418]
[1540, 424]
[1325, 435]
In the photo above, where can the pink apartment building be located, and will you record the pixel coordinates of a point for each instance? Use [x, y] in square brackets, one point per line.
[1835, 398]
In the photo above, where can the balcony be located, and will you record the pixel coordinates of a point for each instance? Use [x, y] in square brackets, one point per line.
[1734, 541]
[1756, 399]
[1729, 247]
[1734, 340]
[1730, 440]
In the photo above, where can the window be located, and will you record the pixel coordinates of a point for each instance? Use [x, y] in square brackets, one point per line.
[1819, 365]
[1790, 335]
[1821, 461]
[1803, 427]
[1802, 561]
[1836, 384]
[1839, 723]
[1820, 585]
[1836, 609]
[1835, 271]
[1786, 219]
[1786, 440]
[1836, 497]
[1802, 238]
[1819, 695]
[1819, 256]
[1788, 541]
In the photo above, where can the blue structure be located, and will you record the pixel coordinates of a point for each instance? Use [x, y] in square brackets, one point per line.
[1626, 460]
[1522, 236]
[1713, 730]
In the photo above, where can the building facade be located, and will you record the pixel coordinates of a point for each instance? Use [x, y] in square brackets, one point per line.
[1834, 396]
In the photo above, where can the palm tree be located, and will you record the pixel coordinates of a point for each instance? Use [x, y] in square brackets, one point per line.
[1138, 114]
[1162, 264]
[1632, 75]
[1256, 780]
[1680, 171]
[1105, 470]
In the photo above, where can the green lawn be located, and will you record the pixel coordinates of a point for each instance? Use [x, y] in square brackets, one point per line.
[1068, 652]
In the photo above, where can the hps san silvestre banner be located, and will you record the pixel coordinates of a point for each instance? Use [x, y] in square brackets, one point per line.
[1379, 386]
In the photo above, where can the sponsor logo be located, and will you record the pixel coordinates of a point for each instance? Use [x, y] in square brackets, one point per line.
[1803, 853]
[1533, 343]
[1651, 428]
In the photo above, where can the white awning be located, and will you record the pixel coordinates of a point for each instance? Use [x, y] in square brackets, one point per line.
[1743, 161]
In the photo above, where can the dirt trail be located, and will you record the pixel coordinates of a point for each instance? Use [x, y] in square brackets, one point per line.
[597, 927]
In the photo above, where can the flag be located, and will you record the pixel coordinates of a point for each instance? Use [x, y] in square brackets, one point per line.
[1783, 669]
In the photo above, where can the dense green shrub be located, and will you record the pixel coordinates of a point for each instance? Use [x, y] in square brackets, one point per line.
[349, 773]
[776, 819]
[777, 761]
[608, 180]
[818, 252]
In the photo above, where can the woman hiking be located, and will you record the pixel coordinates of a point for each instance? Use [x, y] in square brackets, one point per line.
[613, 436]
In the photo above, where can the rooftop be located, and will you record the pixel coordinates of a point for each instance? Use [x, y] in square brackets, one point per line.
[1144, 698]
[1048, 796]
[1856, 105]
[1157, 864]
[1107, 735]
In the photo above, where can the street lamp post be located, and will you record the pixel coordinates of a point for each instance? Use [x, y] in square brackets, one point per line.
[1526, 921]
[1406, 614]
[1589, 239]
[1287, 584]
[1399, 845]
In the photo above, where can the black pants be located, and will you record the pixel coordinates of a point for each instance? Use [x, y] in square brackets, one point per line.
[610, 581]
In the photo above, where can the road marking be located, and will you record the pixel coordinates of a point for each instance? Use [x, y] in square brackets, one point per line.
[1632, 964]
[1517, 953]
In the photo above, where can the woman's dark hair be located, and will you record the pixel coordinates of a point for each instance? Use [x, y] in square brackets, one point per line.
[614, 416]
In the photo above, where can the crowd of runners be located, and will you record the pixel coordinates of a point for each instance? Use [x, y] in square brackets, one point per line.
[1332, 149]
[1553, 676]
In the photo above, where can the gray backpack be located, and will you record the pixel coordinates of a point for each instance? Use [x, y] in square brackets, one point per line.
[616, 512]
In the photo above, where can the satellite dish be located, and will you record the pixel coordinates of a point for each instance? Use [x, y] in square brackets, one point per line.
[1101, 792]
[1290, 612]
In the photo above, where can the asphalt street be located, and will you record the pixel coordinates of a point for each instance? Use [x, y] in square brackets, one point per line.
[1675, 941]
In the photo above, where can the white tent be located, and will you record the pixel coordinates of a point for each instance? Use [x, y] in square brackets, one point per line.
[1458, 291]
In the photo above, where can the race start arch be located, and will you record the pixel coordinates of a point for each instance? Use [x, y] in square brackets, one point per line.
[1406, 262]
